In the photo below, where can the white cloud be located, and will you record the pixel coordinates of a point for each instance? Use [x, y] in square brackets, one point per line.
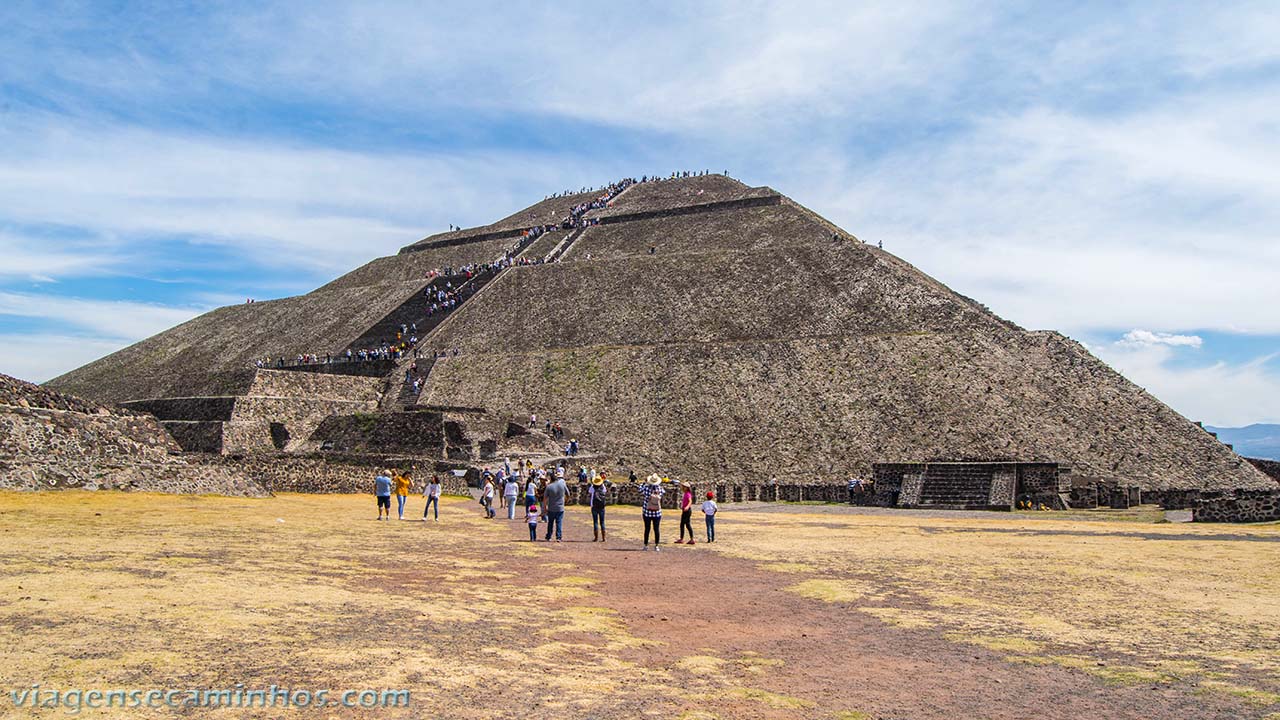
[40, 357]
[106, 320]
[1221, 393]
[1146, 338]
[1166, 218]
[316, 209]
[35, 259]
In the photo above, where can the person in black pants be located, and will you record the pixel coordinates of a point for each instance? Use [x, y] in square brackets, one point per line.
[686, 512]
[651, 509]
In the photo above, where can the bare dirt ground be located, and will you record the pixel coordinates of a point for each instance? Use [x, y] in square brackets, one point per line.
[797, 611]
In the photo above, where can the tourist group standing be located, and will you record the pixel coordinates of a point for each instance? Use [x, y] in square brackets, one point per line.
[543, 493]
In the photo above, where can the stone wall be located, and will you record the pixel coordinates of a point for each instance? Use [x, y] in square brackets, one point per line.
[771, 228]
[1270, 468]
[334, 472]
[627, 493]
[752, 197]
[676, 193]
[418, 433]
[1236, 507]
[185, 408]
[196, 435]
[283, 383]
[50, 449]
[297, 418]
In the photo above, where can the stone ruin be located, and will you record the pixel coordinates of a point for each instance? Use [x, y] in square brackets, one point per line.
[697, 326]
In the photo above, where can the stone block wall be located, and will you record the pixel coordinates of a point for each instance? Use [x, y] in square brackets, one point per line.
[333, 473]
[627, 493]
[284, 383]
[250, 426]
[419, 433]
[196, 435]
[187, 408]
[1238, 507]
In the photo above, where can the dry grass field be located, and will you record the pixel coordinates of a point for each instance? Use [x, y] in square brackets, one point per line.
[796, 612]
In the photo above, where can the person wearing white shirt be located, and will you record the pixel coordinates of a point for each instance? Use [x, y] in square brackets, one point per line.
[509, 492]
[432, 494]
[709, 509]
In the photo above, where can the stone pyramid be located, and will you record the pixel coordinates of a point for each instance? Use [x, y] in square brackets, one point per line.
[694, 325]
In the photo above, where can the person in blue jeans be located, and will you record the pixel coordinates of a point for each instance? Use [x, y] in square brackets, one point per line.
[531, 517]
[709, 510]
[509, 491]
[432, 494]
[553, 500]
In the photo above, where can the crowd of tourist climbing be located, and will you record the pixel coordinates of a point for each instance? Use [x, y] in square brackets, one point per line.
[449, 286]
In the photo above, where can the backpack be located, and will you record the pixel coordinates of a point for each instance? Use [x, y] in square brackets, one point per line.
[654, 502]
[599, 496]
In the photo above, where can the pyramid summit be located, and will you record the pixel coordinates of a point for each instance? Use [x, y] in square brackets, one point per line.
[691, 324]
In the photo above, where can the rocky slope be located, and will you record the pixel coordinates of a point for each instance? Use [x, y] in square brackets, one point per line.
[53, 441]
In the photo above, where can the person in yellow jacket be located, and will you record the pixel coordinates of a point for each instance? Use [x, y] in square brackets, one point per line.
[403, 483]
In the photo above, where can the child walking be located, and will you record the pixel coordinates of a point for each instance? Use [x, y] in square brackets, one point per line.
[531, 513]
[709, 509]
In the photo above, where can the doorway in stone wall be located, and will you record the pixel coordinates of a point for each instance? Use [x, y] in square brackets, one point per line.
[279, 435]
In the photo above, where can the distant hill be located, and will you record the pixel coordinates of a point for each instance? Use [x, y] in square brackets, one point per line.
[1259, 441]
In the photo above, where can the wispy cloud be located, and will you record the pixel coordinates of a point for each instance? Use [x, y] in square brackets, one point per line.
[316, 209]
[1146, 338]
[1220, 393]
[105, 321]
[36, 357]
[38, 259]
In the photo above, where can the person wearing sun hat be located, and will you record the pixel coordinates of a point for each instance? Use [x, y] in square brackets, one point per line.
[598, 496]
[651, 508]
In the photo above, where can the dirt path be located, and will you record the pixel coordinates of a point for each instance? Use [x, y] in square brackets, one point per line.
[720, 615]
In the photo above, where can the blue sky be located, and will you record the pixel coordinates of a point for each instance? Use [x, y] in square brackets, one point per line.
[1108, 170]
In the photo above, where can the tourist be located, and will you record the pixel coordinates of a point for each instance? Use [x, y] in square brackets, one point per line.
[531, 491]
[598, 496]
[709, 509]
[853, 488]
[531, 517]
[553, 503]
[651, 509]
[486, 495]
[499, 484]
[542, 491]
[509, 492]
[686, 512]
[432, 494]
[382, 491]
[403, 483]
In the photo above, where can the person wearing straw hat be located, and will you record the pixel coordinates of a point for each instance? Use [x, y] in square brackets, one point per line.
[651, 509]
[598, 495]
